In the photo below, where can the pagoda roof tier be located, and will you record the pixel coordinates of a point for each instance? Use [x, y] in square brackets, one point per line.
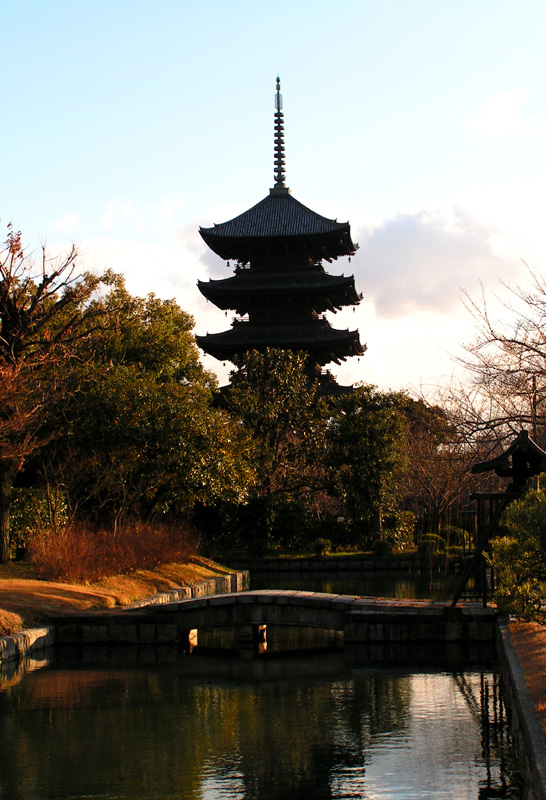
[328, 292]
[278, 225]
[318, 338]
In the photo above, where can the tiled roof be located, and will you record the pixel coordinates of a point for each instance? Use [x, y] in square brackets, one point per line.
[313, 337]
[276, 215]
[249, 281]
[323, 290]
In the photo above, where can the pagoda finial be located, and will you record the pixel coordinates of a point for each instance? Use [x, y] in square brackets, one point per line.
[280, 186]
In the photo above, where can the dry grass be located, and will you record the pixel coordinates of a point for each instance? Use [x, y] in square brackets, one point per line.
[78, 552]
[26, 601]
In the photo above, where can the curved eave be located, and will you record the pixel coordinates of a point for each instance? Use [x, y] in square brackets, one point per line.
[323, 342]
[275, 223]
[325, 291]
[327, 246]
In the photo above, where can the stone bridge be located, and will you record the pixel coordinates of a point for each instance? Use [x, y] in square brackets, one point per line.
[362, 620]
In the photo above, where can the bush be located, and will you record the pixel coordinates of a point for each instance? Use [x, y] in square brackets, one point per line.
[431, 545]
[382, 548]
[399, 529]
[519, 558]
[80, 553]
[321, 547]
[34, 510]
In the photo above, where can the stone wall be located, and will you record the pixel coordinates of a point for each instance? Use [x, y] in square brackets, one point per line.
[91, 628]
[527, 732]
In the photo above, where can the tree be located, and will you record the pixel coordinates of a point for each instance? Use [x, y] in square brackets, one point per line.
[519, 557]
[273, 396]
[143, 439]
[506, 364]
[438, 460]
[46, 307]
[366, 455]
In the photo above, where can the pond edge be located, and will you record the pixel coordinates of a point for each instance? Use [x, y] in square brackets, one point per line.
[527, 732]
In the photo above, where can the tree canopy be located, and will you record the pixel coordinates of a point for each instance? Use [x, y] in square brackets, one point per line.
[47, 308]
[143, 438]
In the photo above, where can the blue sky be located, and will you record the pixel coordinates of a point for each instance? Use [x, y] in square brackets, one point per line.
[127, 124]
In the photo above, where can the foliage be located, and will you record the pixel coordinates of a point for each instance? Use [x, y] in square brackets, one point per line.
[322, 546]
[382, 548]
[34, 510]
[77, 552]
[46, 309]
[431, 544]
[399, 529]
[277, 402]
[519, 557]
[273, 397]
[143, 439]
[366, 455]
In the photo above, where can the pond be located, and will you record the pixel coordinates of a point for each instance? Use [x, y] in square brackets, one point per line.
[402, 585]
[205, 728]
[307, 720]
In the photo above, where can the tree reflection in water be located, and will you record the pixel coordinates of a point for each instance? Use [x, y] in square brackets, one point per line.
[269, 729]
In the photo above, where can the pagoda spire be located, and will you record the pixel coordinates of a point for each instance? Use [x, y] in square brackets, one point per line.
[280, 173]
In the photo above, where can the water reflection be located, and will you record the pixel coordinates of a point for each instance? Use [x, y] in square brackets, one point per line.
[317, 728]
[404, 585]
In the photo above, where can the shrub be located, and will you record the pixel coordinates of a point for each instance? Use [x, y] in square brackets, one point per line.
[382, 548]
[34, 510]
[322, 547]
[399, 528]
[519, 558]
[431, 545]
[80, 553]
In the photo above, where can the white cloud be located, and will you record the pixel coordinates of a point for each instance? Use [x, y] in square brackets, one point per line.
[168, 211]
[419, 262]
[501, 115]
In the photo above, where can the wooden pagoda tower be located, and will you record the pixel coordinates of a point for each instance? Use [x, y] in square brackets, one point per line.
[280, 290]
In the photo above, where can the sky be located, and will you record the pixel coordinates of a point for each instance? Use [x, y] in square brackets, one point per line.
[127, 124]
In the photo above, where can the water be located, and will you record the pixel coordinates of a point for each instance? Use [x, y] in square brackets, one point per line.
[322, 724]
[209, 728]
[380, 583]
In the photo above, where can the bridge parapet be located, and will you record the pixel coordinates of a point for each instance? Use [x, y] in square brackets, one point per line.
[362, 620]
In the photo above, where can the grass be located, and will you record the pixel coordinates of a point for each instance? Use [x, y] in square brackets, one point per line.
[82, 569]
[27, 601]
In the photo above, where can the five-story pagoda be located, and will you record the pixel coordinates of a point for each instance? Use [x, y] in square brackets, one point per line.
[280, 289]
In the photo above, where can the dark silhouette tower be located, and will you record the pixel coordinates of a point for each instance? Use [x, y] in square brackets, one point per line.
[280, 290]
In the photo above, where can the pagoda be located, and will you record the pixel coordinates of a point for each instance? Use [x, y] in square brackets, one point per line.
[280, 290]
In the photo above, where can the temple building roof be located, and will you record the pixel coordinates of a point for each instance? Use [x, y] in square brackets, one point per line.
[321, 340]
[327, 292]
[279, 220]
[278, 216]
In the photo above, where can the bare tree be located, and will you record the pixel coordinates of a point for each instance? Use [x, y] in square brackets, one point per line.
[438, 460]
[46, 307]
[506, 364]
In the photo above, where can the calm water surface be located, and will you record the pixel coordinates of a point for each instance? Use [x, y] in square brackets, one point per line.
[207, 728]
[317, 725]
[400, 585]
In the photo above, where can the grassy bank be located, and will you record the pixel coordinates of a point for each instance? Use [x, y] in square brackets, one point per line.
[26, 601]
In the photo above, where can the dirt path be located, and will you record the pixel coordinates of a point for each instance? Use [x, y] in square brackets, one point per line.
[26, 602]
